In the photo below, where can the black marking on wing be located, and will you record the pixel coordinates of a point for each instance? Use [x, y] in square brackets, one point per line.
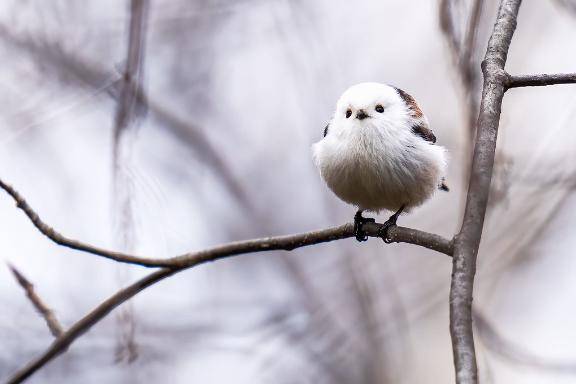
[326, 130]
[424, 132]
[443, 186]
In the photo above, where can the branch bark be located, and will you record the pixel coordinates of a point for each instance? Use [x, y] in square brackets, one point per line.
[288, 243]
[56, 237]
[467, 241]
[133, 72]
[44, 311]
[61, 344]
[179, 263]
[541, 80]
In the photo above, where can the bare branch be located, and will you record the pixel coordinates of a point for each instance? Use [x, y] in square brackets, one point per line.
[468, 240]
[396, 234]
[126, 120]
[461, 48]
[541, 80]
[62, 343]
[472, 32]
[56, 237]
[132, 76]
[290, 242]
[44, 311]
[179, 263]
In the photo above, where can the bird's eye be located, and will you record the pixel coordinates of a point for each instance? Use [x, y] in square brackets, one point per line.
[379, 108]
[348, 113]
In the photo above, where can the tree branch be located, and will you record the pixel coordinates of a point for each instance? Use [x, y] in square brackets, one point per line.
[44, 311]
[62, 343]
[56, 237]
[191, 259]
[468, 239]
[541, 80]
[133, 72]
[396, 234]
[289, 242]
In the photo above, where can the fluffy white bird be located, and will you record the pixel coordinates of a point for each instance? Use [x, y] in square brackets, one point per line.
[378, 153]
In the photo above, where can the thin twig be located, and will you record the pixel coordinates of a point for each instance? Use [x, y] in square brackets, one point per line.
[56, 237]
[63, 342]
[541, 80]
[44, 311]
[468, 240]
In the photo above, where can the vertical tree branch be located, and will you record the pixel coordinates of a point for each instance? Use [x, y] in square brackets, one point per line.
[131, 80]
[126, 122]
[462, 47]
[468, 239]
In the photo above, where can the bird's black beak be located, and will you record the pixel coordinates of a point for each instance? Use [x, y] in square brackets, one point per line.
[361, 115]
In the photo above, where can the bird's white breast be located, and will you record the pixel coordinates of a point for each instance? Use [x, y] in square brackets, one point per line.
[379, 167]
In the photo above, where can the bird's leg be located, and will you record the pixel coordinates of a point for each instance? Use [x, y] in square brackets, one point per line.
[359, 221]
[383, 231]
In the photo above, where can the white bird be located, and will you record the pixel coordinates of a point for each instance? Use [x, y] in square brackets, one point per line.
[378, 153]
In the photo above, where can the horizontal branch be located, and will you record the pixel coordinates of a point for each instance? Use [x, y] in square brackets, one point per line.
[288, 243]
[395, 234]
[540, 80]
[44, 311]
[189, 260]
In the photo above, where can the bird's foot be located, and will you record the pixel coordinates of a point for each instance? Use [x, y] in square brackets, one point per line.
[359, 221]
[391, 222]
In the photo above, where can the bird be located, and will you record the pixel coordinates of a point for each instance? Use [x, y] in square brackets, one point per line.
[379, 153]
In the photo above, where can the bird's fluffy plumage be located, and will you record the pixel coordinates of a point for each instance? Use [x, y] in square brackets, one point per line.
[382, 161]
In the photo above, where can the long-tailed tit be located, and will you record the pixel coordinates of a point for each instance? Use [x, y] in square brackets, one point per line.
[378, 153]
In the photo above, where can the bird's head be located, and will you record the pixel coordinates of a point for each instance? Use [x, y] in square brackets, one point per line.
[370, 104]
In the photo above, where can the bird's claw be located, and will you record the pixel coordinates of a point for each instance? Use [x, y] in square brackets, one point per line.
[391, 222]
[359, 221]
[383, 231]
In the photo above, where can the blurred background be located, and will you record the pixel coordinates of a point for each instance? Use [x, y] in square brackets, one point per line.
[213, 145]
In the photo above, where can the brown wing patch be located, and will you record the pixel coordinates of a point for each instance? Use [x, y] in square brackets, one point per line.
[415, 110]
[424, 132]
